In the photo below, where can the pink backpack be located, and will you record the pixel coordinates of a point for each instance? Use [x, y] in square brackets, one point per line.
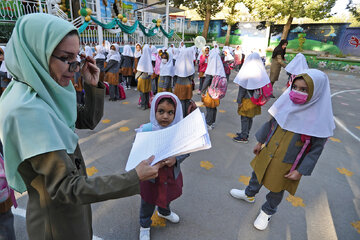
[262, 95]
[218, 87]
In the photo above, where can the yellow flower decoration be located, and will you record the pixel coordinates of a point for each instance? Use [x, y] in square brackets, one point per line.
[335, 139]
[206, 164]
[345, 171]
[356, 225]
[106, 121]
[91, 171]
[157, 221]
[295, 201]
[124, 129]
[231, 135]
[245, 180]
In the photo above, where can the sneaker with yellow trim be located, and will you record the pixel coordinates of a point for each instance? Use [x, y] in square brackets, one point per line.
[240, 194]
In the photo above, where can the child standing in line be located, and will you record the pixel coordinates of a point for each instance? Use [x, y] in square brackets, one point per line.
[100, 61]
[165, 111]
[126, 65]
[215, 68]
[203, 62]
[156, 73]
[112, 72]
[302, 120]
[143, 74]
[5, 77]
[166, 72]
[251, 76]
[227, 59]
[295, 67]
[184, 70]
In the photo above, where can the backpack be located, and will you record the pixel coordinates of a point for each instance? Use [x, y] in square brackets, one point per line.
[4, 187]
[122, 94]
[218, 87]
[262, 95]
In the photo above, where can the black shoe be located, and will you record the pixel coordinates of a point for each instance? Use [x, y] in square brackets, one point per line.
[111, 99]
[240, 139]
[272, 96]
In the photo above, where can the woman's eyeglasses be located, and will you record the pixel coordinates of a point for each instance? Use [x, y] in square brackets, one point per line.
[72, 65]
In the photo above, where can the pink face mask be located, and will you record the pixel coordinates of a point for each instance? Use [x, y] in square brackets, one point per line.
[298, 97]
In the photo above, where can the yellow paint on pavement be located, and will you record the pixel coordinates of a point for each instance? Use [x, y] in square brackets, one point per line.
[335, 139]
[345, 171]
[222, 111]
[91, 171]
[125, 102]
[206, 164]
[157, 221]
[124, 129]
[358, 127]
[245, 180]
[106, 121]
[295, 201]
[356, 225]
[234, 100]
[231, 135]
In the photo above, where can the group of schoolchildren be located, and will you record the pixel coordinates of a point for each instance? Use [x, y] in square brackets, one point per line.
[289, 144]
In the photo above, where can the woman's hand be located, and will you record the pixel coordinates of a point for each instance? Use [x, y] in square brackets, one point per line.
[145, 171]
[294, 175]
[90, 72]
[257, 148]
[170, 161]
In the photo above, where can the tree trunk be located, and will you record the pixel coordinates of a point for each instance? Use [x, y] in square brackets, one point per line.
[287, 28]
[227, 40]
[206, 24]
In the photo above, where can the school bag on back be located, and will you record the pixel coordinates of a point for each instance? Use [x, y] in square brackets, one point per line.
[262, 95]
[4, 187]
[218, 87]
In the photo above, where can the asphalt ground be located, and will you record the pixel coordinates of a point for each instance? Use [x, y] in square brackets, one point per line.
[326, 204]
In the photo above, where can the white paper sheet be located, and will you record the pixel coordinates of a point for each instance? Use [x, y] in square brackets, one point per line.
[188, 135]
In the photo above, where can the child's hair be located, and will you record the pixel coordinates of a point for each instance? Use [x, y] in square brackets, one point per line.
[166, 55]
[168, 100]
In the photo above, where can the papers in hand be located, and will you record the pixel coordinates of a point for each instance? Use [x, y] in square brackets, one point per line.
[188, 135]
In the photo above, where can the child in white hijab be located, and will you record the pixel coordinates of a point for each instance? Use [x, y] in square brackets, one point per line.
[296, 66]
[165, 111]
[126, 66]
[137, 56]
[143, 76]
[100, 60]
[166, 72]
[184, 71]
[5, 77]
[227, 59]
[112, 72]
[251, 76]
[290, 144]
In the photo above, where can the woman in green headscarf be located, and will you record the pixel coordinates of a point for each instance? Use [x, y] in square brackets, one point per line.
[37, 121]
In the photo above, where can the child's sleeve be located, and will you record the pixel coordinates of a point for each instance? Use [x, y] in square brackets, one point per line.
[262, 134]
[181, 158]
[241, 94]
[307, 165]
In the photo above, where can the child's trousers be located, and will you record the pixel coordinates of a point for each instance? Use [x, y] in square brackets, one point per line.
[114, 92]
[147, 210]
[272, 199]
[246, 123]
[210, 115]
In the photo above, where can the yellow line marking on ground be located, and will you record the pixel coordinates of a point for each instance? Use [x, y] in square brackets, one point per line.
[206, 164]
[295, 201]
[356, 225]
[345, 171]
[222, 111]
[245, 180]
[231, 135]
[124, 129]
[91, 171]
[125, 102]
[234, 100]
[335, 139]
[358, 127]
[106, 121]
[157, 221]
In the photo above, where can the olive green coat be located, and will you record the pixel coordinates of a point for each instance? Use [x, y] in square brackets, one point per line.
[275, 68]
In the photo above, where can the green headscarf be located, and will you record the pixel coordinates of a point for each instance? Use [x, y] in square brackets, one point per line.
[37, 114]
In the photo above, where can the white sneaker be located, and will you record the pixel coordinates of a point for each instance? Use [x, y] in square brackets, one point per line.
[173, 217]
[210, 127]
[262, 221]
[240, 194]
[144, 233]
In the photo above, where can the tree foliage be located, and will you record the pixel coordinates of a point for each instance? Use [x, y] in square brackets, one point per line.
[354, 8]
[202, 6]
[273, 10]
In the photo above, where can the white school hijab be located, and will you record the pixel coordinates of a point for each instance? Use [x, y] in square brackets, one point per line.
[297, 65]
[144, 64]
[100, 52]
[88, 51]
[184, 65]
[114, 54]
[154, 51]
[127, 51]
[215, 65]
[315, 117]
[167, 69]
[252, 74]
[137, 53]
[228, 56]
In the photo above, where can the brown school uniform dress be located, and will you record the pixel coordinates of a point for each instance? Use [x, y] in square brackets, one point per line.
[183, 88]
[60, 193]
[144, 83]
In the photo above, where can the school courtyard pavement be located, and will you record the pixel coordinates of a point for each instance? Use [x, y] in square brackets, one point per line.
[326, 205]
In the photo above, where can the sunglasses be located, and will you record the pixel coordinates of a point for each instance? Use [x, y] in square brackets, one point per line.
[72, 65]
